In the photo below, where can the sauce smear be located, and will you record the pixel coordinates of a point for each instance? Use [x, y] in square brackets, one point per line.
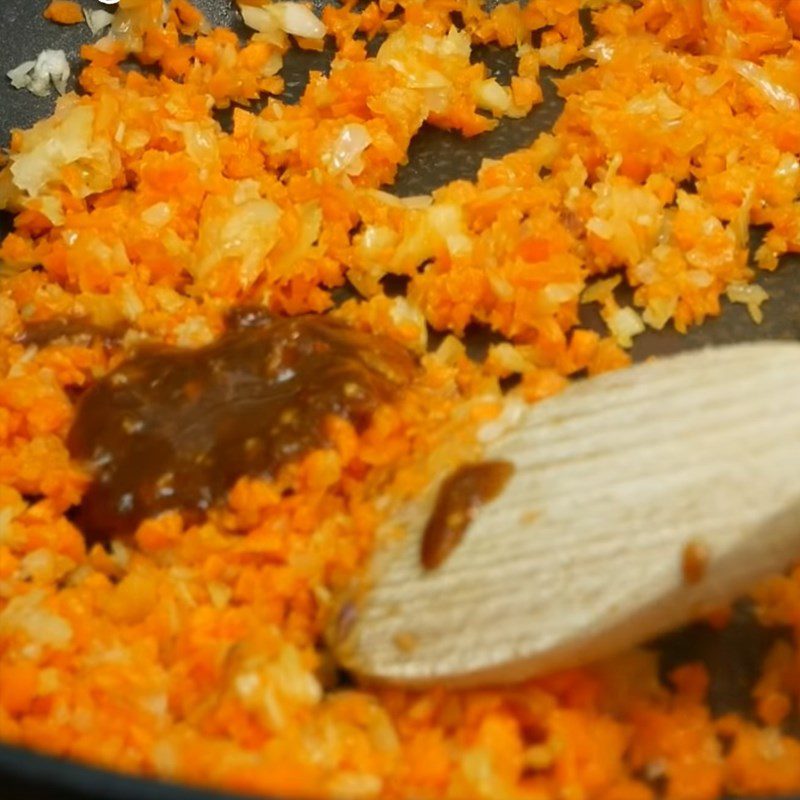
[75, 330]
[175, 429]
[460, 496]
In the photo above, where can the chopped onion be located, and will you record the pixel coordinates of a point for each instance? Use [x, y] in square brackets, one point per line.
[600, 228]
[131, 303]
[700, 278]
[751, 295]
[552, 55]
[709, 85]
[490, 95]
[346, 152]
[281, 18]
[52, 208]
[52, 144]
[778, 97]
[645, 271]
[298, 20]
[259, 19]
[407, 317]
[375, 238]
[106, 44]
[244, 233]
[509, 358]
[788, 166]
[49, 68]
[502, 289]
[97, 19]
[456, 43]
[19, 76]
[561, 292]
[600, 50]
[659, 311]
[417, 201]
[157, 215]
[624, 323]
[458, 244]
[659, 104]
[600, 291]
[740, 222]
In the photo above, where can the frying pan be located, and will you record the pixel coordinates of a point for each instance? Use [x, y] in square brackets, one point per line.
[733, 655]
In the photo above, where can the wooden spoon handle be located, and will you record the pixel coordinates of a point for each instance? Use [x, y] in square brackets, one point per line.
[639, 499]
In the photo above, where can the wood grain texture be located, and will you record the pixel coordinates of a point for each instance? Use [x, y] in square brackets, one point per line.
[582, 553]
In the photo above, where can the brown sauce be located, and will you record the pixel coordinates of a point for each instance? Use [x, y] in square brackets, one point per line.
[174, 429]
[460, 496]
[76, 330]
[694, 562]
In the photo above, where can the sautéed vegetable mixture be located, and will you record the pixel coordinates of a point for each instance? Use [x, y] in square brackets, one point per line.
[201, 431]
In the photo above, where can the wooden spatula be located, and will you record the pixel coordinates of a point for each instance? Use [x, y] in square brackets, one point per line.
[638, 500]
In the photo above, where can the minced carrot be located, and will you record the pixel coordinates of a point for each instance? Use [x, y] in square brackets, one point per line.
[65, 12]
[17, 686]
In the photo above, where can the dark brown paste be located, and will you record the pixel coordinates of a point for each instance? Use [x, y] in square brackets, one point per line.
[694, 562]
[174, 429]
[77, 330]
[460, 496]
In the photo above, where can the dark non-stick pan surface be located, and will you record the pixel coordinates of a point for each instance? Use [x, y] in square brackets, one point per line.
[733, 655]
